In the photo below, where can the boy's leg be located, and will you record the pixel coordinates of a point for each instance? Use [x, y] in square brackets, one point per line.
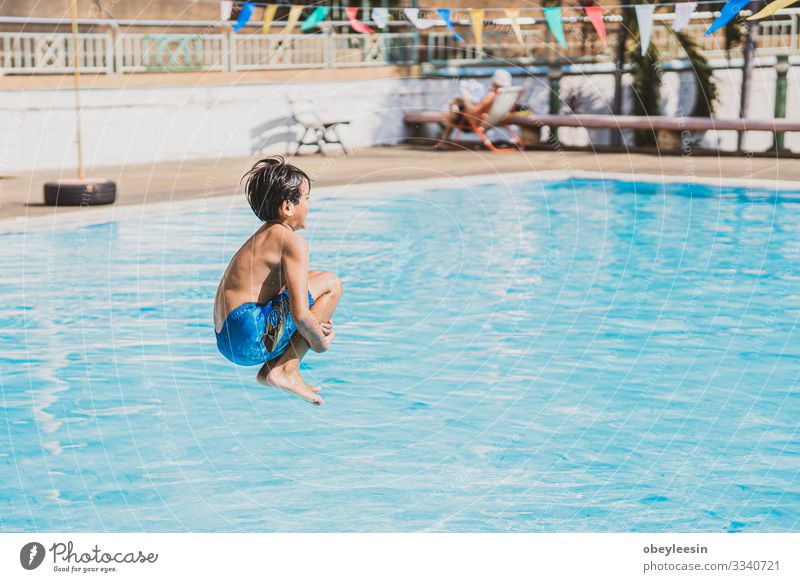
[284, 372]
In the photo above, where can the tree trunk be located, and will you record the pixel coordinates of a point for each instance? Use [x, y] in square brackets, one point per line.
[749, 50]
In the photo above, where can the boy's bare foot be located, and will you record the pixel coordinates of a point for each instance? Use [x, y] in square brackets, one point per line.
[290, 380]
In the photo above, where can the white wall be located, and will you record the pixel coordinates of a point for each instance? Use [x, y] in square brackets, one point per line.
[141, 125]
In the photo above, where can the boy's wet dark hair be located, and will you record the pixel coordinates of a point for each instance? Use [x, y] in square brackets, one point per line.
[271, 182]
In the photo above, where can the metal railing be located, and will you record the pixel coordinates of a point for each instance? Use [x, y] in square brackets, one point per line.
[780, 36]
[128, 52]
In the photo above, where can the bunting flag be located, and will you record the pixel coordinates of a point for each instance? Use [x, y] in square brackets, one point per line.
[556, 24]
[476, 14]
[358, 26]
[445, 14]
[269, 16]
[380, 16]
[513, 14]
[225, 9]
[294, 15]
[595, 14]
[319, 14]
[421, 23]
[771, 9]
[683, 12]
[728, 13]
[244, 16]
[644, 16]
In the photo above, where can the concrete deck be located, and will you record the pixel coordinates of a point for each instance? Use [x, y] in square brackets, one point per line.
[21, 196]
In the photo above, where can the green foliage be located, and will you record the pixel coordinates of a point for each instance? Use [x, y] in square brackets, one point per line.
[646, 89]
[647, 73]
[646, 85]
[707, 95]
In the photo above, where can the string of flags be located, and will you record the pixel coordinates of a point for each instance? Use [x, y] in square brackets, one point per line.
[553, 17]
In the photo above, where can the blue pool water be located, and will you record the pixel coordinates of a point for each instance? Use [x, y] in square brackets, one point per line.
[574, 355]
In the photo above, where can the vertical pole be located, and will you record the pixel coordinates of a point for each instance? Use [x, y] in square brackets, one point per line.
[416, 41]
[616, 108]
[76, 78]
[554, 77]
[747, 70]
[781, 69]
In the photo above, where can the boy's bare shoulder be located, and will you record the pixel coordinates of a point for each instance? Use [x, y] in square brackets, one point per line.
[286, 240]
[294, 244]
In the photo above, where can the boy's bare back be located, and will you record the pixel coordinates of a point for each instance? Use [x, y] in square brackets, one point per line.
[255, 273]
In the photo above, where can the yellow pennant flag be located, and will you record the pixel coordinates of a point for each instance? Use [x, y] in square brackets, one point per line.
[513, 14]
[294, 15]
[771, 9]
[269, 16]
[477, 26]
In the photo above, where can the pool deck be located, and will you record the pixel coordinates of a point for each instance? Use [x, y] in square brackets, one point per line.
[21, 195]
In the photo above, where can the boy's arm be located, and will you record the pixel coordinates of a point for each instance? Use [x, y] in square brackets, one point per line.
[295, 270]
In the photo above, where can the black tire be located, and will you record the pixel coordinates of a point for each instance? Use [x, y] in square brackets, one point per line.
[80, 193]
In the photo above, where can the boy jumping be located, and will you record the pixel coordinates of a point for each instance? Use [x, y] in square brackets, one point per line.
[269, 308]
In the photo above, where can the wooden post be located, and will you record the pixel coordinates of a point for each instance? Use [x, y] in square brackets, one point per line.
[76, 78]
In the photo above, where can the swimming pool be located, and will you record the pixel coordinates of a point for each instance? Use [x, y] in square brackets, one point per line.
[563, 355]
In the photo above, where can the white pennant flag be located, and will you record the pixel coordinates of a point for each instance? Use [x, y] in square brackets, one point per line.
[380, 16]
[644, 16]
[225, 9]
[421, 23]
[683, 12]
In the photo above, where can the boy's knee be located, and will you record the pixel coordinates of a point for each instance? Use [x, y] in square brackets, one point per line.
[334, 284]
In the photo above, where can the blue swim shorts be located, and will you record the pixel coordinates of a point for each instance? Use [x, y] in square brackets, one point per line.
[253, 334]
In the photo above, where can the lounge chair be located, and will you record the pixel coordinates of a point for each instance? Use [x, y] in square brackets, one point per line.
[317, 131]
[501, 107]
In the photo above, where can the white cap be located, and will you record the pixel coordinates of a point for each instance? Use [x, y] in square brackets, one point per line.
[501, 78]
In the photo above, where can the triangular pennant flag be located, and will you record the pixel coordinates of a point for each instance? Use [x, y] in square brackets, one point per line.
[358, 26]
[556, 24]
[644, 16]
[319, 14]
[244, 16]
[445, 14]
[513, 14]
[595, 14]
[728, 13]
[476, 14]
[225, 9]
[683, 13]
[771, 9]
[269, 16]
[421, 23]
[380, 16]
[294, 15]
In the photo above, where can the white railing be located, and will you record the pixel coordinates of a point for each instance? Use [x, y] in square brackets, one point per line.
[137, 53]
[273, 51]
[37, 53]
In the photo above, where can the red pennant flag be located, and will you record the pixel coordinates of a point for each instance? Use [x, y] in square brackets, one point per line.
[595, 14]
[358, 26]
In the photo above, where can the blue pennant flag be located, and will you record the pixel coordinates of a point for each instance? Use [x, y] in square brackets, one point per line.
[244, 15]
[728, 13]
[445, 14]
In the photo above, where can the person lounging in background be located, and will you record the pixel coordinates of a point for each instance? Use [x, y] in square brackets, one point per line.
[269, 308]
[462, 106]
